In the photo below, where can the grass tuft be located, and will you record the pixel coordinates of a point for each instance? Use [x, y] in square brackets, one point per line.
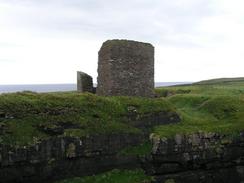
[211, 108]
[118, 176]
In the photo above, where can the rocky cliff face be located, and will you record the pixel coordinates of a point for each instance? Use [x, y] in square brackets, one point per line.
[61, 157]
[200, 157]
[57, 158]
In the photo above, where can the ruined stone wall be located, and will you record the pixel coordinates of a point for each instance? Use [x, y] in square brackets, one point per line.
[126, 68]
[84, 82]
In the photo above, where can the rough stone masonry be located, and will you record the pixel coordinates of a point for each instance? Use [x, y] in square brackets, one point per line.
[126, 68]
[84, 82]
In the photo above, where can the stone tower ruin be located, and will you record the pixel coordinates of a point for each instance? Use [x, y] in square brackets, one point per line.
[126, 68]
[84, 82]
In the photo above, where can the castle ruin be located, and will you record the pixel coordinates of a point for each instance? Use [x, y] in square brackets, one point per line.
[126, 68]
[84, 82]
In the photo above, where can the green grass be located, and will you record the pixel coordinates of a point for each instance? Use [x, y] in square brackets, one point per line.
[24, 115]
[220, 81]
[209, 107]
[206, 107]
[140, 150]
[118, 176]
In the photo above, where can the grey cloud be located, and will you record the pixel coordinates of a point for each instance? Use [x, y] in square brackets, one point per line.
[3, 60]
[8, 44]
[152, 20]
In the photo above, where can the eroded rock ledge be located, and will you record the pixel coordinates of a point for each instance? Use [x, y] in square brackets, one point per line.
[200, 157]
[62, 157]
[58, 158]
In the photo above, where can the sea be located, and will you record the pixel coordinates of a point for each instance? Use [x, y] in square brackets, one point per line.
[42, 88]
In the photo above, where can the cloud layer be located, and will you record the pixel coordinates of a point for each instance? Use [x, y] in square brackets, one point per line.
[194, 39]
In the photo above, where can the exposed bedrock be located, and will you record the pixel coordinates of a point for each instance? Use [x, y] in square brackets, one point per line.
[201, 157]
[62, 157]
[57, 158]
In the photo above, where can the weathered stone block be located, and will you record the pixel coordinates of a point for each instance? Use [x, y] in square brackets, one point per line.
[84, 82]
[126, 68]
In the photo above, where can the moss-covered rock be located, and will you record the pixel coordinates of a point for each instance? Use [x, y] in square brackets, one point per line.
[29, 117]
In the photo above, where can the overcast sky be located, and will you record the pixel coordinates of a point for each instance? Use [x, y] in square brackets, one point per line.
[47, 41]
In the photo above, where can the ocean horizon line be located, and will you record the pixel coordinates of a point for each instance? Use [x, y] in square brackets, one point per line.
[11, 88]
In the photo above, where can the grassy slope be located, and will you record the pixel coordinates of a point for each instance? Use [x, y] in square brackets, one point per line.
[220, 81]
[114, 176]
[23, 116]
[210, 107]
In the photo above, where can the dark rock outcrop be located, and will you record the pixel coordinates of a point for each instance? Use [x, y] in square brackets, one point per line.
[147, 121]
[201, 157]
[63, 157]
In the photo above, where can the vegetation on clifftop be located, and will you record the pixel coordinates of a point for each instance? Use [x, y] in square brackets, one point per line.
[140, 150]
[26, 117]
[209, 107]
[118, 176]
